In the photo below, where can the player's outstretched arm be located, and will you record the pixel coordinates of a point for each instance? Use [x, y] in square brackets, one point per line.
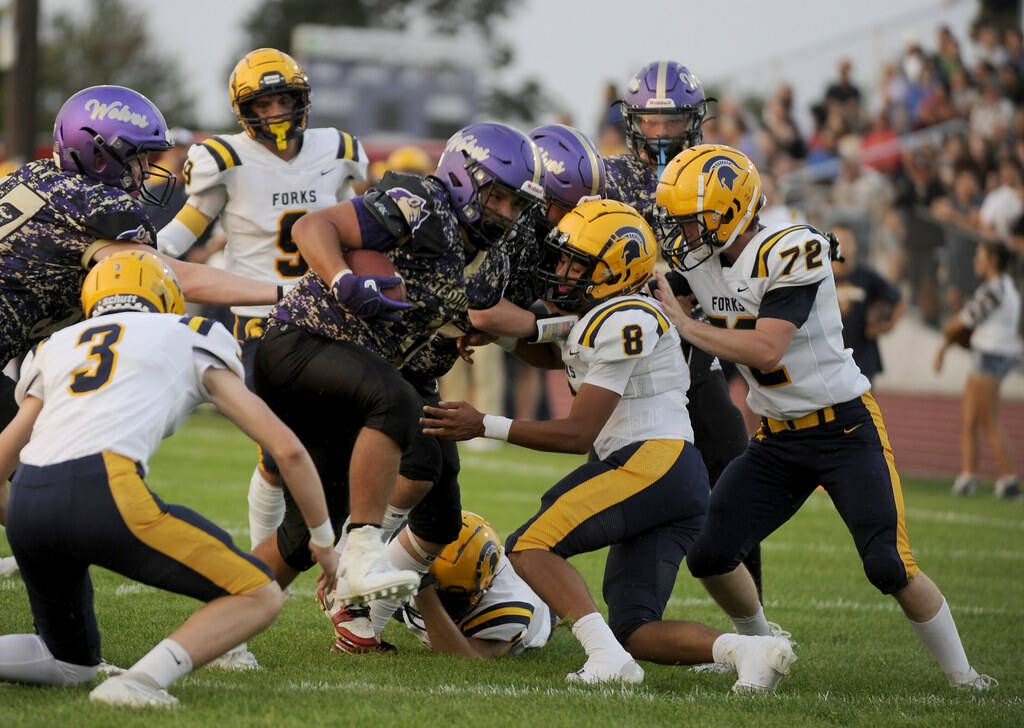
[576, 433]
[205, 284]
[13, 438]
[258, 421]
[761, 347]
[446, 637]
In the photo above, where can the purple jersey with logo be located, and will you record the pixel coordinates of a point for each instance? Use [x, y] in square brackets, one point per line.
[50, 222]
[425, 245]
[633, 181]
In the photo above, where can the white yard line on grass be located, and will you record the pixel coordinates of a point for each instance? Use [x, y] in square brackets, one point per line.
[698, 694]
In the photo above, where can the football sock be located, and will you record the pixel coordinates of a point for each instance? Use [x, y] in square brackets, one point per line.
[393, 518]
[381, 610]
[25, 658]
[943, 641]
[266, 508]
[165, 663]
[599, 641]
[755, 624]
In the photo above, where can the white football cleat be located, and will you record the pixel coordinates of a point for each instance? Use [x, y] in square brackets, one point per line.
[237, 658]
[8, 566]
[132, 690]
[109, 669]
[365, 573]
[965, 484]
[972, 680]
[761, 661]
[593, 673]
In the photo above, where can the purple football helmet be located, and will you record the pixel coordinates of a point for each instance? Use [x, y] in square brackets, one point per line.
[106, 133]
[664, 109]
[476, 161]
[573, 168]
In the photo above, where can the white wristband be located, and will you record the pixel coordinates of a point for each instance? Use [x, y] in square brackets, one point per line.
[340, 273]
[322, 536]
[496, 427]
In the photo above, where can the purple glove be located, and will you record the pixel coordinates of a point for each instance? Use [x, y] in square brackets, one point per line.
[361, 295]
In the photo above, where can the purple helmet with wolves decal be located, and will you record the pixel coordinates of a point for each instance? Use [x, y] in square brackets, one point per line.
[105, 133]
[481, 157]
[664, 109]
[573, 168]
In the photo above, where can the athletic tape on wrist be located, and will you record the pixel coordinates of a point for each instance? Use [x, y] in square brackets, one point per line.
[496, 427]
[322, 536]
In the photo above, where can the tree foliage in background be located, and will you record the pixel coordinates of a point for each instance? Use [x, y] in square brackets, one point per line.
[271, 23]
[108, 44]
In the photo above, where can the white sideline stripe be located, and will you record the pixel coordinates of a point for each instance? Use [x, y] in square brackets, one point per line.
[884, 604]
[639, 694]
[510, 466]
[930, 553]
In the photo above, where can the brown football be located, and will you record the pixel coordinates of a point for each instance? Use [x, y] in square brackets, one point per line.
[365, 262]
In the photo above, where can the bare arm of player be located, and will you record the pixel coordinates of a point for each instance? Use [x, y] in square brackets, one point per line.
[205, 284]
[505, 319]
[252, 415]
[761, 347]
[13, 438]
[591, 408]
[322, 235]
[446, 637]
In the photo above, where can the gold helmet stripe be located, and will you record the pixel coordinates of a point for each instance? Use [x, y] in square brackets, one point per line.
[591, 157]
[538, 163]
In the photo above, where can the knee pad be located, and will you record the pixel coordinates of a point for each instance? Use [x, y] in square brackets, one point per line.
[885, 569]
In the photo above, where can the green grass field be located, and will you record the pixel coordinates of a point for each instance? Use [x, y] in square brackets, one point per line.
[860, 663]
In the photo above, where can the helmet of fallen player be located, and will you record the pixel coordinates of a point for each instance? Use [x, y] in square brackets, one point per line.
[409, 158]
[479, 158]
[131, 280]
[466, 567]
[106, 133]
[706, 198]
[602, 249]
[263, 72]
[669, 93]
[573, 169]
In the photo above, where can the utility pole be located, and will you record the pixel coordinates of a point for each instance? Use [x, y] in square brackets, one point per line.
[21, 84]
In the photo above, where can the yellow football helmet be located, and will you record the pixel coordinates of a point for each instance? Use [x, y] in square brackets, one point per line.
[707, 197]
[132, 280]
[601, 249]
[466, 567]
[410, 158]
[269, 71]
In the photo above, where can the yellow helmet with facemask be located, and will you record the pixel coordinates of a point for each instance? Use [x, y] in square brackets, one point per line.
[263, 72]
[707, 197]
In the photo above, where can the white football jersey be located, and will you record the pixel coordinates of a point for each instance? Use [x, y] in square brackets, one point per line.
[815, 370]
[628, 346]
[260, 196]
[510, 611]
[120, 382]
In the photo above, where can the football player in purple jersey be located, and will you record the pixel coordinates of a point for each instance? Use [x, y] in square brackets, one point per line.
[329, 361]
[59, 216]
[663, 109]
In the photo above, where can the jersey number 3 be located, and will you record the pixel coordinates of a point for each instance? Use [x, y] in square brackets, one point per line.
[98, 372]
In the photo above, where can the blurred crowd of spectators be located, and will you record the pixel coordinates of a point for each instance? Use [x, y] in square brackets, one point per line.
[920, 167]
